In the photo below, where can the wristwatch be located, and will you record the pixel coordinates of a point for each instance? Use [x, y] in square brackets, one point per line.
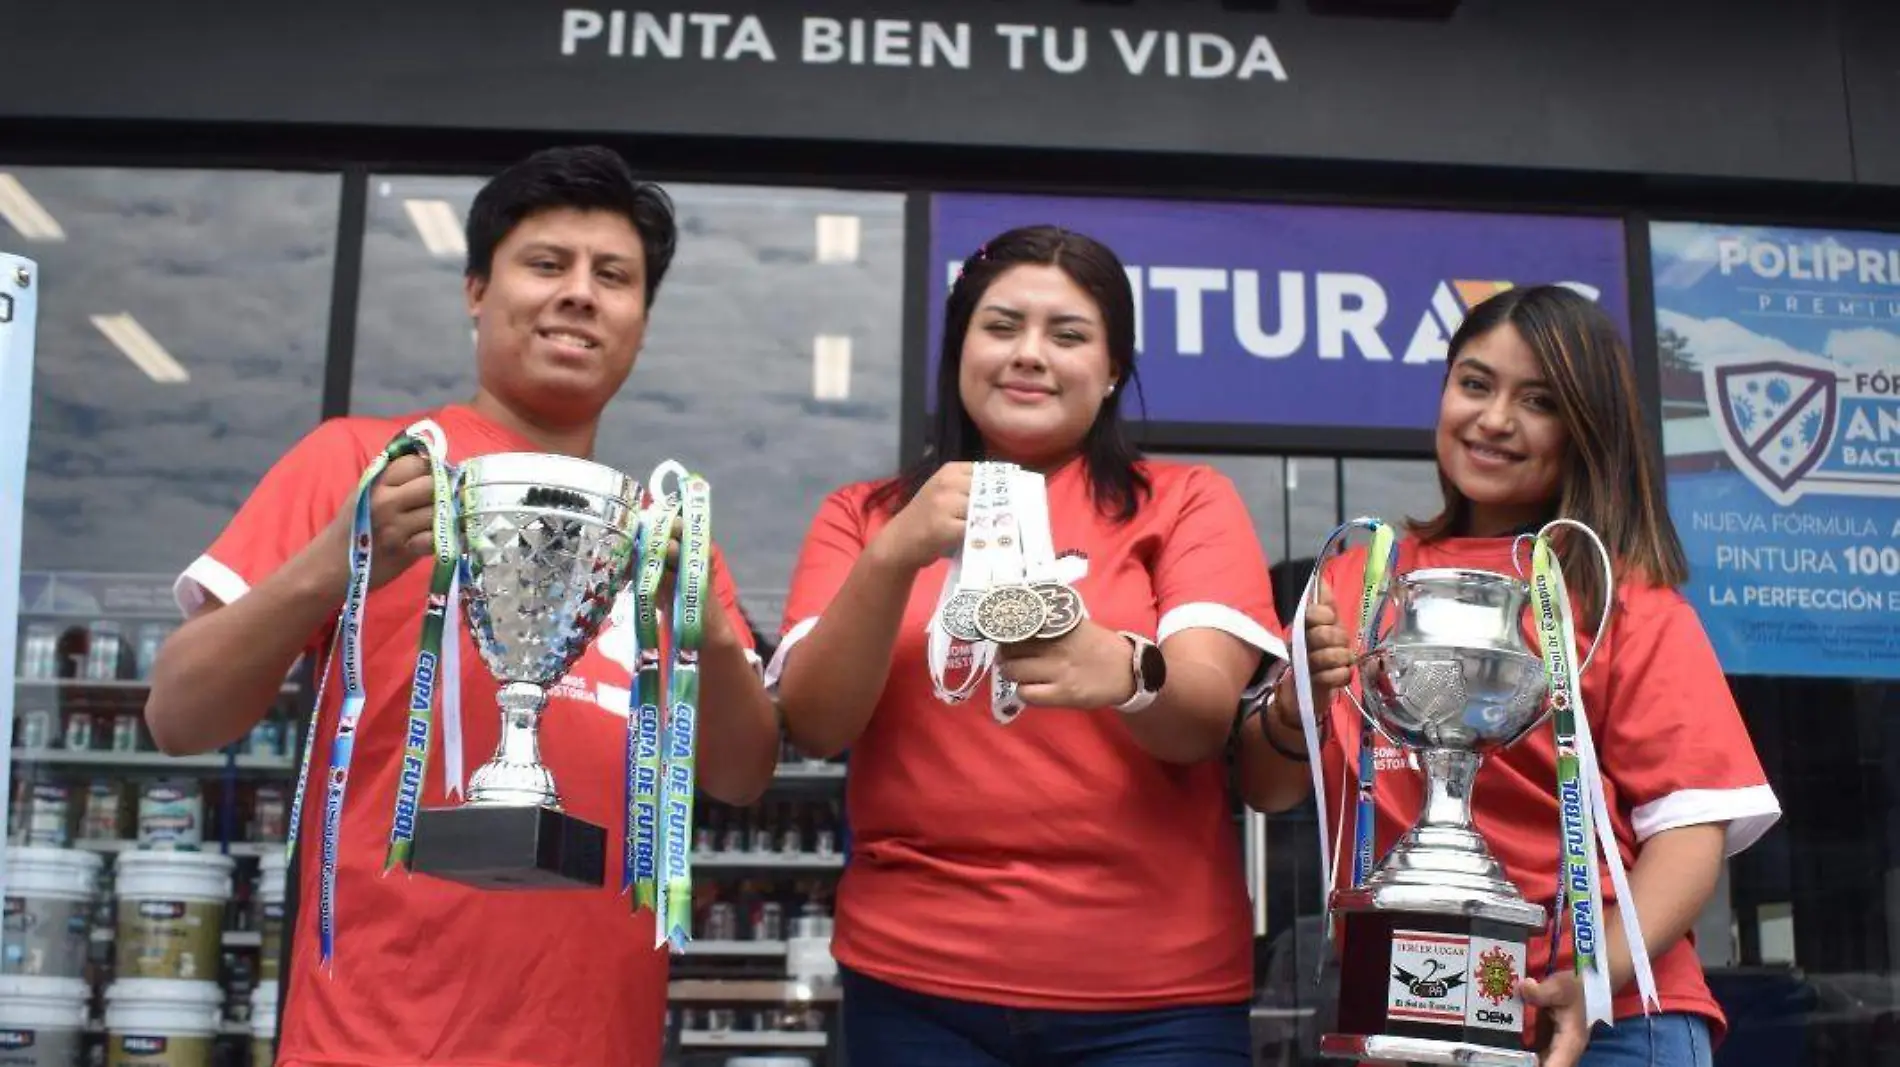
[1151, 673]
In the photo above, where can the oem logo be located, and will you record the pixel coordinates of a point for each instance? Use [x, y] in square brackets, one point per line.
[1799, 425]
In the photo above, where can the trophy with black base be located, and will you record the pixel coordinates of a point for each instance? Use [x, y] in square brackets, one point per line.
[1433, 941]
[547, 543]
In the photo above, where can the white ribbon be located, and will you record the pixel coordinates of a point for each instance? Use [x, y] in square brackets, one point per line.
[1598, 996]
[1035, 542]
[969, 572]
[452, 773]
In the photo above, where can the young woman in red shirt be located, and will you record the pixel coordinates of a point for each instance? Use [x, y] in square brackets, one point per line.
[1064, 888]
[1540, 420]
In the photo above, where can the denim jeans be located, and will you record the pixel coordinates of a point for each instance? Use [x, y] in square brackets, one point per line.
[1669, 1039]
[885, 1026]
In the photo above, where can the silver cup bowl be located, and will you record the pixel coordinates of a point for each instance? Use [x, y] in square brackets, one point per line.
[548, 543]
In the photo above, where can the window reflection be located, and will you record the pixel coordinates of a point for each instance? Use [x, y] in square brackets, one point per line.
[182, 326]
[1392, 489]
[771, 364]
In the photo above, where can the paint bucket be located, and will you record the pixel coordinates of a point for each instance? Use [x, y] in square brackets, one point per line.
[270, 917]
[42, 1020]
[264, 1024]
[171, 914]
[51, 893]
[162, 1022]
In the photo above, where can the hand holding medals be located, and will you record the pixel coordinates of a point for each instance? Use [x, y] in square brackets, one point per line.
[1004, 588]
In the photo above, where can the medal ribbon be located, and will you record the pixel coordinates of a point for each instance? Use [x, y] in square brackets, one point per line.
[969, 572]
[1582, 805]
[1384, 550]
[1034, 554]
[1381, 558]
[644, 726]
[424, 439]
[691, 588]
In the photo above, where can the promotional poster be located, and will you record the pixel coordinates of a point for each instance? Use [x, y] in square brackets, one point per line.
[1779, 351]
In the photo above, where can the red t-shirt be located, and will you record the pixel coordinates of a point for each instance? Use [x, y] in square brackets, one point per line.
[1670, 741]
[430, 971]
[1053, 862]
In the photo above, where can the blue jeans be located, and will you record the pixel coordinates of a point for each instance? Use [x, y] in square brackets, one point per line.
[885, 1026]
[1668, 1039]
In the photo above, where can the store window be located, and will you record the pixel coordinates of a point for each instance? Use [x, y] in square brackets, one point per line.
[182, 332]
[182, 327]
[1396, 490]
[771, 364]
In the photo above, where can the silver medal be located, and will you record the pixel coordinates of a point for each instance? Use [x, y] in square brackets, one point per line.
[959, 615]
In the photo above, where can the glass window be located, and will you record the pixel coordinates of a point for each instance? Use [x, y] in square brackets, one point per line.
[183, 318]
[1392, 489]
[182, 324]
[771, 364]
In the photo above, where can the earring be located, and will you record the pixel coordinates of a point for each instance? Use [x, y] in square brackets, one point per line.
[1110, 391]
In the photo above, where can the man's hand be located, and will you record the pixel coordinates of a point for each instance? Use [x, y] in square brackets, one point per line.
[401, 522]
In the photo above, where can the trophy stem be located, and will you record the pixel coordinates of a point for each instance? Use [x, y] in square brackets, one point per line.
[1449, 777]
[1443, 850]
[515, 777]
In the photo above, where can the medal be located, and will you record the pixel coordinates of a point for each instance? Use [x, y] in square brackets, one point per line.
[959, 615]
[1062, 607]
[1010, 614]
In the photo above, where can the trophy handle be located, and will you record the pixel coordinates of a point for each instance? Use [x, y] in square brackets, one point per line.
[1609, 580]
[1359, 705]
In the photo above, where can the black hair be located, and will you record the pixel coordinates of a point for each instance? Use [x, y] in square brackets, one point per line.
[1117, 485]
[583, 177]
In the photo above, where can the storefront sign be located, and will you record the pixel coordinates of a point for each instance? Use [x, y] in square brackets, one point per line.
[1293, 82]
[1780, 363]
[1255, 314]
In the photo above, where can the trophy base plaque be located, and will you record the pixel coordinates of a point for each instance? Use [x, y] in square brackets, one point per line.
[510, 847]
[1431, 981]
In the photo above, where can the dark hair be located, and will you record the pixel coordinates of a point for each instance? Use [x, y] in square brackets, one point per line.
[1609, 481]
[1117, 485]
[585, 177]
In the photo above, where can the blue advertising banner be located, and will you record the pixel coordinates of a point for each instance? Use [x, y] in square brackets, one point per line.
[1780, 361]
[1292, 315]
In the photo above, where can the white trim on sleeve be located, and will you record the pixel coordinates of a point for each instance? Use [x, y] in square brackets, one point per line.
[207, 576]
[1223, 618]
[777, 666]
[1748, 811]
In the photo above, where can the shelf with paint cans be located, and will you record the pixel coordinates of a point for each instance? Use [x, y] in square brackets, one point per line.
[228, 938]
[758, 978]
[750, 1015]
[128, 940]
[753, 1039]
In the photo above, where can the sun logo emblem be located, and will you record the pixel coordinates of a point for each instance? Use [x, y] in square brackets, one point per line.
[1497, 976]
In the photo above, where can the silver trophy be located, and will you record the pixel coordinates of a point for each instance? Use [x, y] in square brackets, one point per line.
[547, 545]
[1433, 940]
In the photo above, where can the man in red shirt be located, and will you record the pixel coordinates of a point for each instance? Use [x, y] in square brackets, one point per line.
[566, 251]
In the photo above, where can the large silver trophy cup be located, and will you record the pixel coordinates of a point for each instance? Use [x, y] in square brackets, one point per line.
[548, 543]
[1433, 940]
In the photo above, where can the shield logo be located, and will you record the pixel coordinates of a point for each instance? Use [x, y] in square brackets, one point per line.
[1777, 420]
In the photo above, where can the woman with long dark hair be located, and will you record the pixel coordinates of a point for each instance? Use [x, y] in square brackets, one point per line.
[1066, 888]
[1540, 420]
